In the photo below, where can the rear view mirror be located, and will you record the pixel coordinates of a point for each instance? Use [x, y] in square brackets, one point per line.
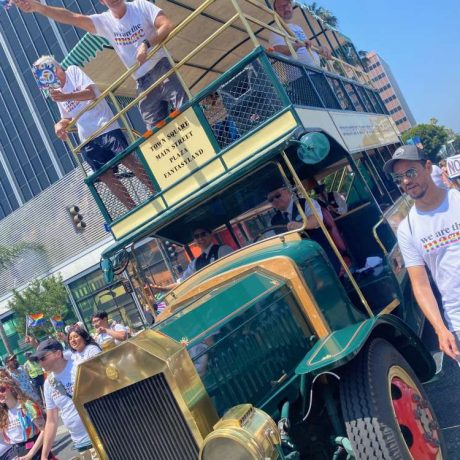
[313, 148]
[107, 270]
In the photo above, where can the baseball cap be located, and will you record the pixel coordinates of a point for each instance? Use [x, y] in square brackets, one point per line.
[405, 152]
[45, 347]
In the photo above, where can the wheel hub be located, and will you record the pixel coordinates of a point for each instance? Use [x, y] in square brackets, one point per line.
[418, 426]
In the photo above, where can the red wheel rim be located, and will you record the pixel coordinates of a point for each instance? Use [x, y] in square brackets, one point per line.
[416, 421]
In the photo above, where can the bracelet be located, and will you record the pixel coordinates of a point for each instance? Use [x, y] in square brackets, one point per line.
[146, 43]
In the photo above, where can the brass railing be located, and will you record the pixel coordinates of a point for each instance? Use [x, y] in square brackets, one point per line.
[334, 65]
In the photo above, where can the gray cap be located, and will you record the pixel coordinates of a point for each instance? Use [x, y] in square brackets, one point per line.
[405, 152]
[45, 347]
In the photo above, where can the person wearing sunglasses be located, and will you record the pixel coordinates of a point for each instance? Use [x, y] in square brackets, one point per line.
[429, 237]
[210, 252]
[287, 212]
[58, 391]
[21, 422]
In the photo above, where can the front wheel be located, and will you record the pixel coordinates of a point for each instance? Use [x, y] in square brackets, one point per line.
[386, 410]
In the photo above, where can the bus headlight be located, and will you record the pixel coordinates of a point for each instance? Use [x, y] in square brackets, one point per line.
[243, 433]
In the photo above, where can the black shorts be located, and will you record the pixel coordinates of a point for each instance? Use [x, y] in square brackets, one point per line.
[103, 148]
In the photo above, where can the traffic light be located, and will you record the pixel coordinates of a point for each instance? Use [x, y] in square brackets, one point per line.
[77, 218]
[171, 249]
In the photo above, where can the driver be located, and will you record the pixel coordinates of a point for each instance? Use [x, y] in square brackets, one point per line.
[288, 214]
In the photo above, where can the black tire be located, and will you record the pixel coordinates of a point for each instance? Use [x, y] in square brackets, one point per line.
[380, 395]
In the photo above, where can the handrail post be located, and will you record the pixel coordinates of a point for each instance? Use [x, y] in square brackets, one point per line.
[179, 76]
[245, 22]
[123, 117]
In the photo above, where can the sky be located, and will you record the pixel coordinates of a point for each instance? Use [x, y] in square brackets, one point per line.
[420, 40]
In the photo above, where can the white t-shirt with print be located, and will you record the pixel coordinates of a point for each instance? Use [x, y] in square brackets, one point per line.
[433, 239]
[14, 430]
[303, 55]
[88, 352]
[54, 399]
[101, 338]
[128, 33]
[89, 122]
[79, 357]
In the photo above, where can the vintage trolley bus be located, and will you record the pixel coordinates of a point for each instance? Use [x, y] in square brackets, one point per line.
[303, 342]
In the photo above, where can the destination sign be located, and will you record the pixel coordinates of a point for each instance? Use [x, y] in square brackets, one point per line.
[365, 131]
[181, 147]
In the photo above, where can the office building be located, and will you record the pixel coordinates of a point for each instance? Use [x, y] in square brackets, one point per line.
[391, 94]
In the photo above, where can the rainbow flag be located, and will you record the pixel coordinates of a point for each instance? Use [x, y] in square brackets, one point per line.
[35, 320]
[57, 321]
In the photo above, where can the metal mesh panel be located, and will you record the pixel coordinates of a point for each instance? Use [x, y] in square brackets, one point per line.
[324, 90]
[372, 101]
[241, 104]
[362, 93]
[124, 187]
[297, 85]
[345, 103]
[142, 421]
[376, 101]
[349, 88]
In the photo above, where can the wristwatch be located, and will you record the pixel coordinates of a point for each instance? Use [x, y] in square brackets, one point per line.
[147, 43]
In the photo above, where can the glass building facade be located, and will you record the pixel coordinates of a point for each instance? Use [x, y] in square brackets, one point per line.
[31, 157]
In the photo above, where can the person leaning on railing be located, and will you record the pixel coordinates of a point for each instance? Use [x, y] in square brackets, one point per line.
[77, 91]
[302, 46]
[132, 29]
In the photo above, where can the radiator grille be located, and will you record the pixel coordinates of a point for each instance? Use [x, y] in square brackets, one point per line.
[142, 421]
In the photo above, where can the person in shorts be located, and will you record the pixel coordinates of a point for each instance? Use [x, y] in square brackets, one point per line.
[133, 29]
[76, 93]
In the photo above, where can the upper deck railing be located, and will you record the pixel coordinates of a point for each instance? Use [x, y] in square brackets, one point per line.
[250, 24]
[226, 112]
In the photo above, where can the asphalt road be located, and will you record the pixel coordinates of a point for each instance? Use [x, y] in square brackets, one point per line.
[445, 397]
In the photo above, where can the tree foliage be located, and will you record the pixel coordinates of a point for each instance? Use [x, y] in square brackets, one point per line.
[324, 14]
[432, 137]
[9, 253]
[47, 296]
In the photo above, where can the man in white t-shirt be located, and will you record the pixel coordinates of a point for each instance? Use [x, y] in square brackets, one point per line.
[429, 238]
[76, 93]
[106, 332]
[132, 28]
[58, 392]
[302, 46]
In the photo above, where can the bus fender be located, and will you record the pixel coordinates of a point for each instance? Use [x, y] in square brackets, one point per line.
[341, 346]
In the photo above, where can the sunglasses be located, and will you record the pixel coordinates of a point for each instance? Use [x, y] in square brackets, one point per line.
[398, 179]
[200, 235]
[3, 389]
[44, 357]
[272, 198]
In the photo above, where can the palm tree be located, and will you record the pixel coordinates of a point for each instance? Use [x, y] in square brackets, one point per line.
[9, 253]
[325, 15]
[365, 61]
